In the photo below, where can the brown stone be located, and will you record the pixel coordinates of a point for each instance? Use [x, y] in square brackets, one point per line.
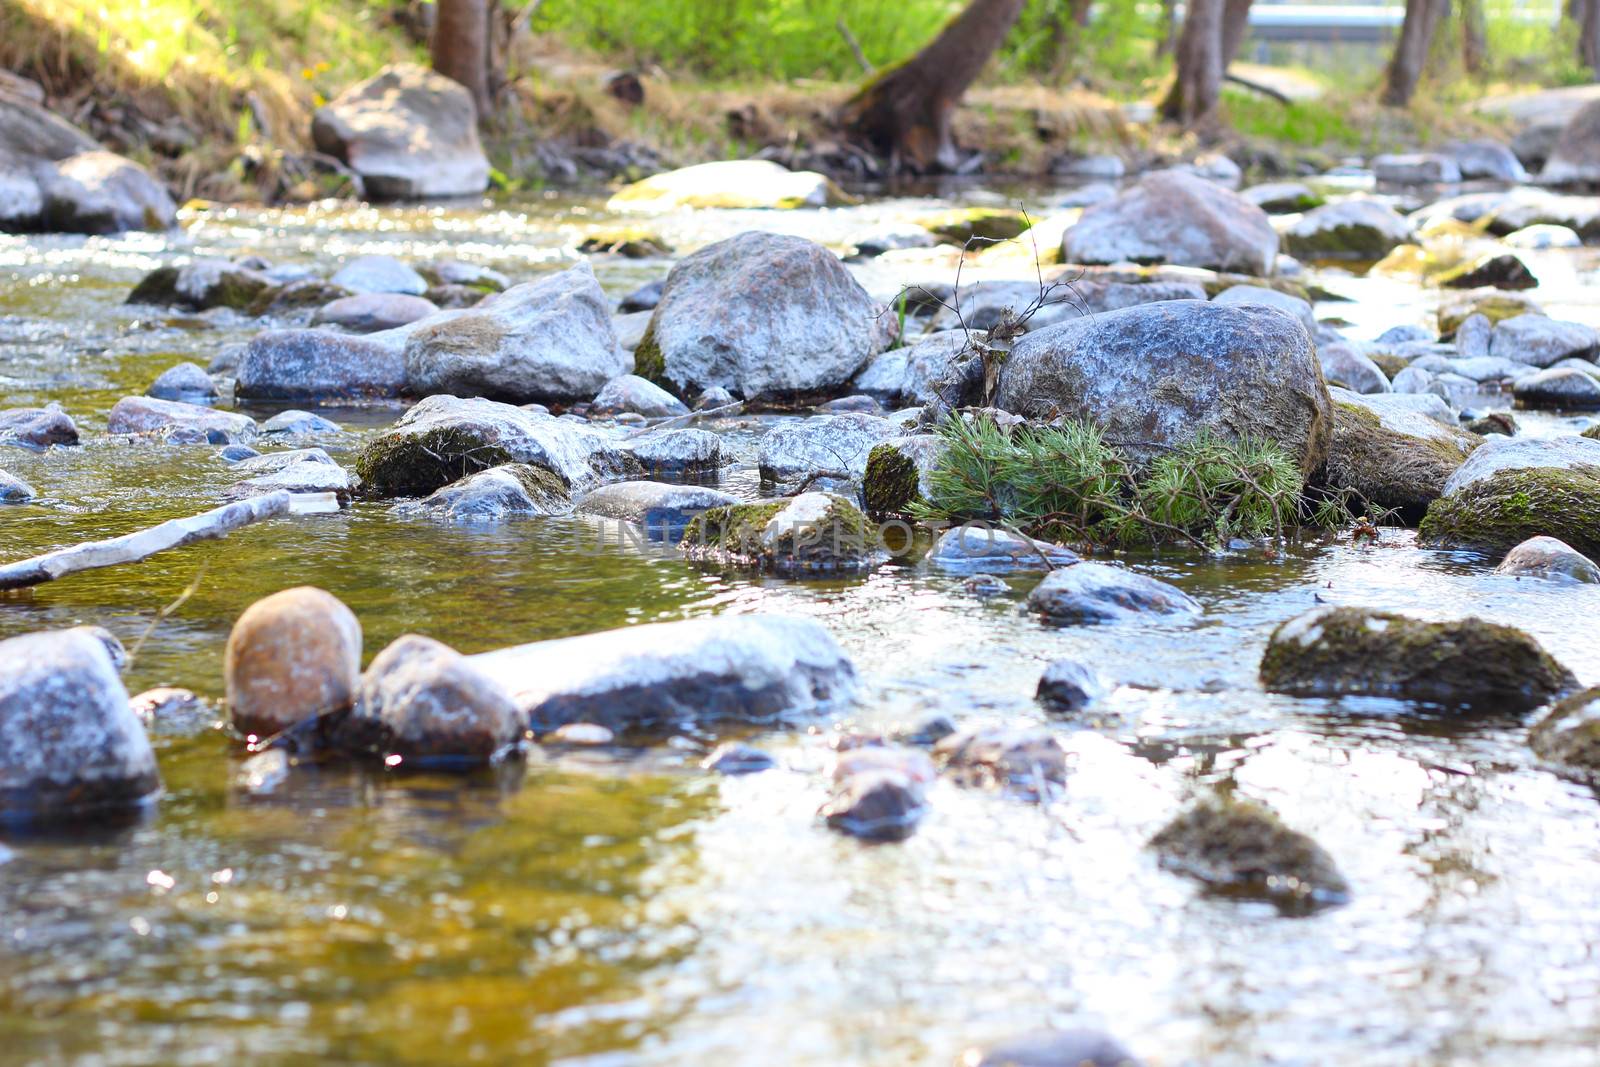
[292, 655]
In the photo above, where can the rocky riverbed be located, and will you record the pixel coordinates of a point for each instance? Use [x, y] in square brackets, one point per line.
[1270, 802]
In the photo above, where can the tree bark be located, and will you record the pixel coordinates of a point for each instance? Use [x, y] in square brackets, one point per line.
[1197, 90]
[1411, 50]
[1586, 13]
[905, 112]
[1235, 28]
[460, 48]
[1474, 36]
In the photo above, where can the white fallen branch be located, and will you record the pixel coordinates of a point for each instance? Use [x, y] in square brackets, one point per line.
[175, 533]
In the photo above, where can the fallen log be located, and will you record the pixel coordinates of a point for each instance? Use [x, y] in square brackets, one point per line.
[175, 533]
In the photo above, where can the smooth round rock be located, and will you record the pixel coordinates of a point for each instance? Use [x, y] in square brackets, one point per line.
[70, 744]
[292, 655]
[1549, 558]
[422, 700]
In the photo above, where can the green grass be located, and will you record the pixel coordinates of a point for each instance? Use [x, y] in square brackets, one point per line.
[1324, 124]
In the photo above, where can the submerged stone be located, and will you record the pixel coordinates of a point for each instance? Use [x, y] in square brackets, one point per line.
[185, 381]
[148, 415]
[1027, 760]
[37, 427]
[661, 508]
[1068, 685]
[975, 546]
[751, 669]
[1549, 558]
[1241, 848]
[837, 443]
[70, 744]
[201, 284]
[1570, 734]
[1461, 663]
[876, 805]
[733, 758]
[14, 490]
[513, 489]
[291, 656]
[1053, 1048]
[1099, 592]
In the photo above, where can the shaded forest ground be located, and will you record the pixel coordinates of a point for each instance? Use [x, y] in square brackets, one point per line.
[217, 96]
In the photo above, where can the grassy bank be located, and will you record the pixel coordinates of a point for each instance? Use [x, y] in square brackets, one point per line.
[218, 94]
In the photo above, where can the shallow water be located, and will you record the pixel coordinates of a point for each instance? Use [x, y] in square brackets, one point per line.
[627, 907]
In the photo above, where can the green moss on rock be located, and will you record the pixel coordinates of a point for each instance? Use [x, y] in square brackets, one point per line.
[1240, 848]
[890, 485]
[960, 225]
[1570, 734]
[1389, 470]
[1461, 663]
[1592, 433]
[312, 293]
[1497, 513]
[648, 361]
[836, 538]
[159, 288]
[415, 464]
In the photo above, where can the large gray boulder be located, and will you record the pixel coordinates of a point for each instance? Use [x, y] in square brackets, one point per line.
[545, 340]
[410, 134]
[320, 365]
[762, 315]
[748, 669]
[1157, 374]
[55, 177]
[1576, 157]
[445, 438]
[512, 490]
[70, 743]
[1175, 217]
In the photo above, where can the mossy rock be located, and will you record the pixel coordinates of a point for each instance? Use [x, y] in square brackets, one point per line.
[311, 293]
[1497, 513]
[1592, 433]
[891, 484]
[1502, 271]
[1391, 470]
[415, 464]
[1389, 362]
[234, 288]
[1242, 849]
[960, 225]
[628, 243]
[1570, 734]
[1464, 663]
[814, 533]
[648, 361]
[1495, 307]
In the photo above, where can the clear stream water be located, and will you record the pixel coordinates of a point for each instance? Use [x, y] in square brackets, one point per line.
[626, 907]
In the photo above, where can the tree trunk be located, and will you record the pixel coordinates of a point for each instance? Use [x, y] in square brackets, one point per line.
[1411, 50]
[1586, 13]
[1196, 91]
[1235, 28]
[461, 48]
[1474, 36]
[905, 112]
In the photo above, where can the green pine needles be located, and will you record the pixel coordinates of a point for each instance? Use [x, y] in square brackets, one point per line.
[1066, 483]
